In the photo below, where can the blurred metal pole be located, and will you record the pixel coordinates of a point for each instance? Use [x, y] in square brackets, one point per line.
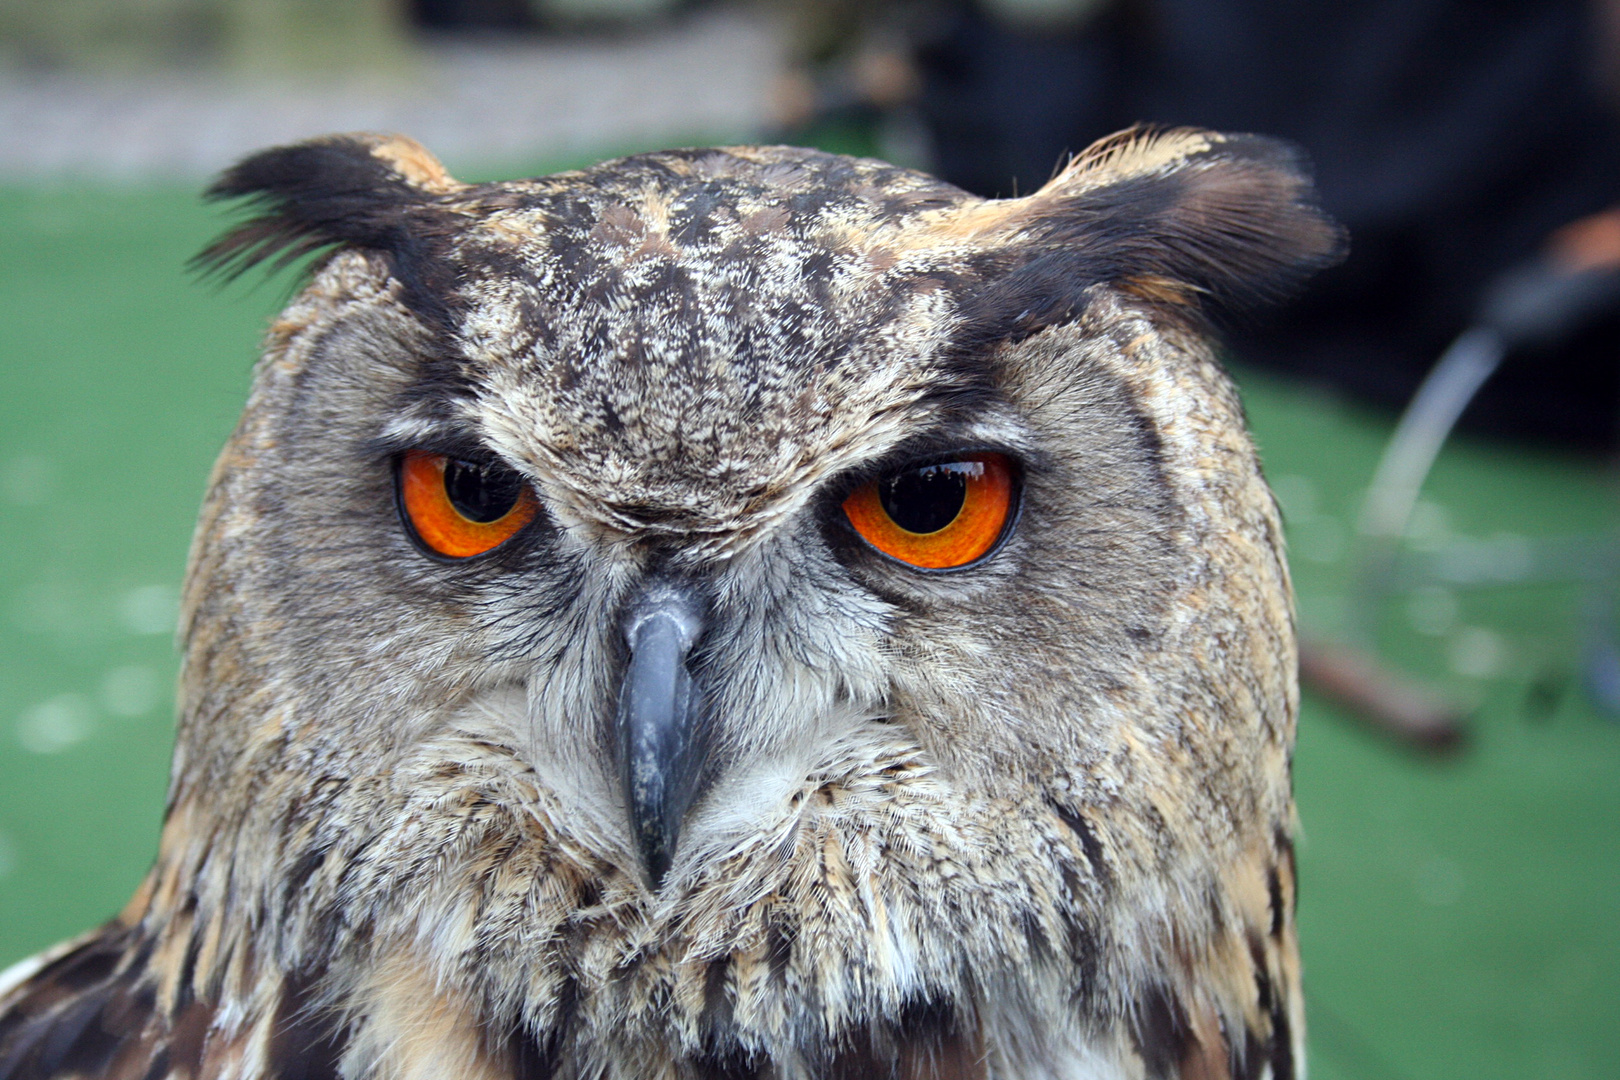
[1535, 304]
[1350, 672]
[1393, 493]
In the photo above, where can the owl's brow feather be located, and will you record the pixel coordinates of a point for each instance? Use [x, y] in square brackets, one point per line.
[454, 438]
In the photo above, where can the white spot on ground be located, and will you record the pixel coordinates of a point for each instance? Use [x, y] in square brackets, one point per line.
[1477, 653]
[130, 691]
[150, 609]
[55, 725]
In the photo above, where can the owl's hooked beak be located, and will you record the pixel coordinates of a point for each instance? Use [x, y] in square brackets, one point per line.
[660, 741]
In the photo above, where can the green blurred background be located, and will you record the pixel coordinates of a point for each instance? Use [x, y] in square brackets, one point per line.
[1460, 915]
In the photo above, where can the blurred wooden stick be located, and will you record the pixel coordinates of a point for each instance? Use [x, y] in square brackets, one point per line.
[1394, 703]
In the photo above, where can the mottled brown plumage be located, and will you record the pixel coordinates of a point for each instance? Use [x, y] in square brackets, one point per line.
[1028, 818]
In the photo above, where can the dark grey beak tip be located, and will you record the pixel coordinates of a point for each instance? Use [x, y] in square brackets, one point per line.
[657, 853]
[660, 756]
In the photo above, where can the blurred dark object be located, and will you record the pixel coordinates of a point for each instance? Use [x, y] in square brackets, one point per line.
[1544, 695]
[473, 15]
[523, 16]
[1608, 49]
[1450, 137]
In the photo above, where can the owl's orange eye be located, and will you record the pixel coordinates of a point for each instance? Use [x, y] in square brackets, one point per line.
[939, 516]
[460, 509]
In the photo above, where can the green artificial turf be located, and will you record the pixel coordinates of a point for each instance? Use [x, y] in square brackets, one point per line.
[1459, 916]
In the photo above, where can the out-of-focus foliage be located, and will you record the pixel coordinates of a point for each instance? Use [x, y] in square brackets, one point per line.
[249, 34]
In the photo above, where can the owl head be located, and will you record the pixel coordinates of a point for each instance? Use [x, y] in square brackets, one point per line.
[695, 475]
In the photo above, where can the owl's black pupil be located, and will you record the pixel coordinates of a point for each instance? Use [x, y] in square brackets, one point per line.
[481, 493]
[926, 500]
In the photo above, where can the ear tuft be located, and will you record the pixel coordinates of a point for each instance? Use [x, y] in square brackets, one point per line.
[1171, 215]
[355, 190]
[1233, 216]
[1128, 155]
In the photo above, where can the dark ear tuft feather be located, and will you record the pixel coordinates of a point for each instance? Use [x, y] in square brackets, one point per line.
[1176, 216]
[360, 190]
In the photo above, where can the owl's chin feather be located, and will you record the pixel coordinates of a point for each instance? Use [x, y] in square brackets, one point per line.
[752, 798]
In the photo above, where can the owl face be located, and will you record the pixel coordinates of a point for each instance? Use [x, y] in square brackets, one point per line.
[697, 477]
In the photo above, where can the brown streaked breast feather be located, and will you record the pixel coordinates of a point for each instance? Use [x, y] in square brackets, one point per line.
[96, 1011]
[89, 1012]
[929, 1042]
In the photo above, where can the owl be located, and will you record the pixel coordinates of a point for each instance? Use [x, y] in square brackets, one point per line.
[723, 614]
